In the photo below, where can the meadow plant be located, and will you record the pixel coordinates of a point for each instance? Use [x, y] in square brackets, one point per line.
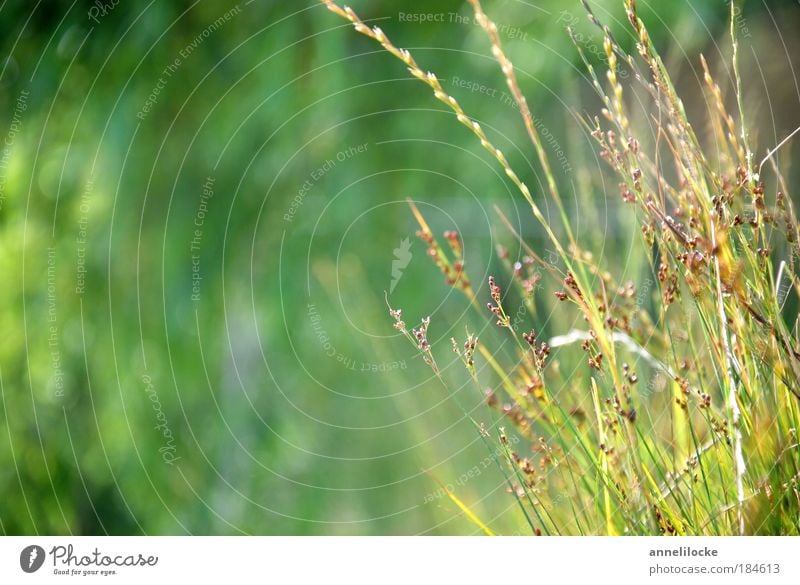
[715, 449]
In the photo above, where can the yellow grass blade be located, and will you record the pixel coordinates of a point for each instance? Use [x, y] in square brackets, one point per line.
[463, 507]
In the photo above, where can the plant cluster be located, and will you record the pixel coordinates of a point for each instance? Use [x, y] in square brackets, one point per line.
[715, 449]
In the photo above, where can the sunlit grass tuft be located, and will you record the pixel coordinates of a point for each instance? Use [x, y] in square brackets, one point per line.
[709, 444]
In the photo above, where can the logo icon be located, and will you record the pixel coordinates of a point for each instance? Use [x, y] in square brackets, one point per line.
[31, 558]
[402, 257]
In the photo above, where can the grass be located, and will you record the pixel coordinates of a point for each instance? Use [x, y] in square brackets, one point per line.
[673, 409]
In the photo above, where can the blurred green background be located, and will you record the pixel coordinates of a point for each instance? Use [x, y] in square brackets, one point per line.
[202, 214]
